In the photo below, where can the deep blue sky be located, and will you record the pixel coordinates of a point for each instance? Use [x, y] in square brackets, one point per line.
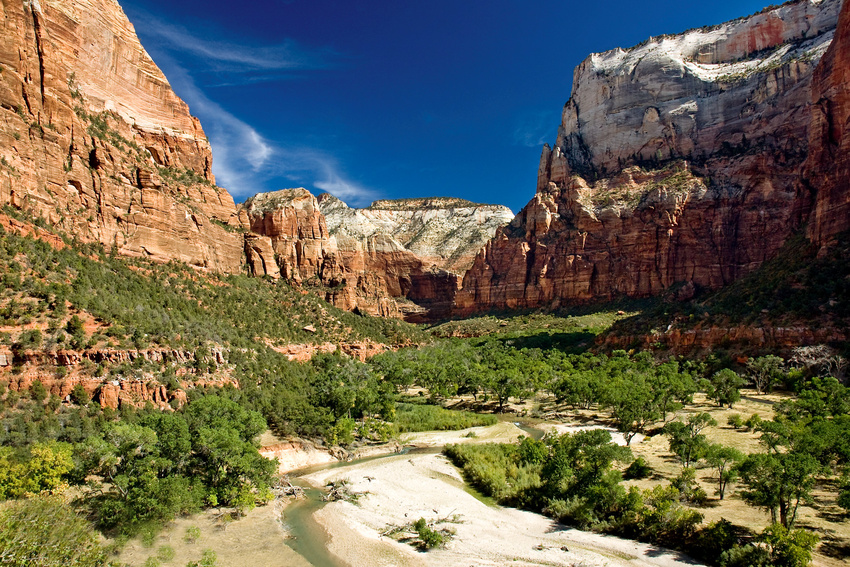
[391, 98]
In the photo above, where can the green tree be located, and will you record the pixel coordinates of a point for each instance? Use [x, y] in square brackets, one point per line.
[724, 387]
[788, 548]
[630, 398]
[723, 459]
[765, 371]
[778, 483]
[686, 438]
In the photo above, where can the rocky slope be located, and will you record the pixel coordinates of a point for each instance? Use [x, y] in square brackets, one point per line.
[446, 233]
[827, 171]
[677, 161]
[93, 138]
[383, 260]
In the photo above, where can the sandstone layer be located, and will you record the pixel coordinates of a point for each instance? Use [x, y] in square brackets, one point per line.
[391, 259]
[677, 161]
[443, 232]
[93, 138]
[828, 167]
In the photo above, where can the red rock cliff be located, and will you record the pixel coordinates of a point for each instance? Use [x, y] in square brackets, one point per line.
[828, 166]
[93, 138]
[676, 161]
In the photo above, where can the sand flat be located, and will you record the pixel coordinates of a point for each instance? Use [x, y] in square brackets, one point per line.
[400, 489]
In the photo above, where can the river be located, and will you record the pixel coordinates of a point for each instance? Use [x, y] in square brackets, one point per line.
[400, 488]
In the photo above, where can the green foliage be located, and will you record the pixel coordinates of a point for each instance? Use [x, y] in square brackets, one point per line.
[723, 460]
[37, 469]
[45, 532]
[28, 340]
[165, 553]
[686, 439]
[789, 548]
[778, 483]
[765, 371]
[724, 387]
[689, 490]
[418, 417]
[428, 536]
[639, 469]
[735, 421]
[193, 533]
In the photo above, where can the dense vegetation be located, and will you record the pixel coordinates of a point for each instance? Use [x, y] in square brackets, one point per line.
[134, 469]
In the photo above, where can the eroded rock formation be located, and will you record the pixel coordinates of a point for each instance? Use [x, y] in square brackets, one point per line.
[93, 138]
[445, 233]
[828, 166]
[391, 259]
[677, 160]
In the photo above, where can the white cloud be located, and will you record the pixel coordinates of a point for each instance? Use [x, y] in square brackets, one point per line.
[534, 129]
[245, 162]
[226, 57]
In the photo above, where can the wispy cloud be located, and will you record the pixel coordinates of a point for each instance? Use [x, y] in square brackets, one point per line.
[534, 129]
[245, 162]
[259, 61]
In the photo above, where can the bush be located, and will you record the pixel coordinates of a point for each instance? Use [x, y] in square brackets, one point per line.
[430, 537]
[44, 531]
[416, 417]
[735, 421]
[192, 534]
[753, 422]
[637, 470]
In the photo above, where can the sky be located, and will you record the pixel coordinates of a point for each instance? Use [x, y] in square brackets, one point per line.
[389, 99]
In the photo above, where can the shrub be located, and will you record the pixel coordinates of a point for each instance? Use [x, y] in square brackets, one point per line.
[638, 469]
[429, 537]
[45, 531]
[192, 534]
[735, 421]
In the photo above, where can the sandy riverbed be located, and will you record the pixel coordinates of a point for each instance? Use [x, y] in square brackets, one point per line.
[400, 489]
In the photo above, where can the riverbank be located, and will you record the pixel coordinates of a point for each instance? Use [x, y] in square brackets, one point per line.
[400, 489]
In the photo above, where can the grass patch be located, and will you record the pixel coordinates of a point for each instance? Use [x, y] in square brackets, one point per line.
[412, 418]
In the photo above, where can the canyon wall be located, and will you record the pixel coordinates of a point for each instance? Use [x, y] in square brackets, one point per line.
[93, 139]
[676, 161]
[443, 232]
[827, 172]
[391, 259]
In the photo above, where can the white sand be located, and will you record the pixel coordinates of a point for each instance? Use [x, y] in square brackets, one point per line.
[400, 489]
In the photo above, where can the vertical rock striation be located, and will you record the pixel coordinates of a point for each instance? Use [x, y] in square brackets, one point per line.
[827, 171]
[93, 138]
[677, 161]
[391, 259]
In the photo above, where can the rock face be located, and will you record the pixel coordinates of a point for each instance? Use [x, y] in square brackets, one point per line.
[93, 138]
[445, 233]
[828, 167]
[677, 160]
[391, 259]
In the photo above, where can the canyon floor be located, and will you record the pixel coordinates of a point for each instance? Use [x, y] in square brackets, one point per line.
[398, 489]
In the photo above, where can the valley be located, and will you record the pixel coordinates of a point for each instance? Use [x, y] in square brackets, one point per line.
[647, 365]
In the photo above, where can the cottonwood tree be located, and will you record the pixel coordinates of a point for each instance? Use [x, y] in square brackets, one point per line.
[723, 459]
[765, 371]
[724, 387]
[778, 482]
[686, 438]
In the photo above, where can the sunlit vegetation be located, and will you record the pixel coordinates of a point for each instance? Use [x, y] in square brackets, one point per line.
[419, 417]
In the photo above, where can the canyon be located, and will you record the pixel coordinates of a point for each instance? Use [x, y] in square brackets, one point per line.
[687, 160]
[94, 140]
[396, 258]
